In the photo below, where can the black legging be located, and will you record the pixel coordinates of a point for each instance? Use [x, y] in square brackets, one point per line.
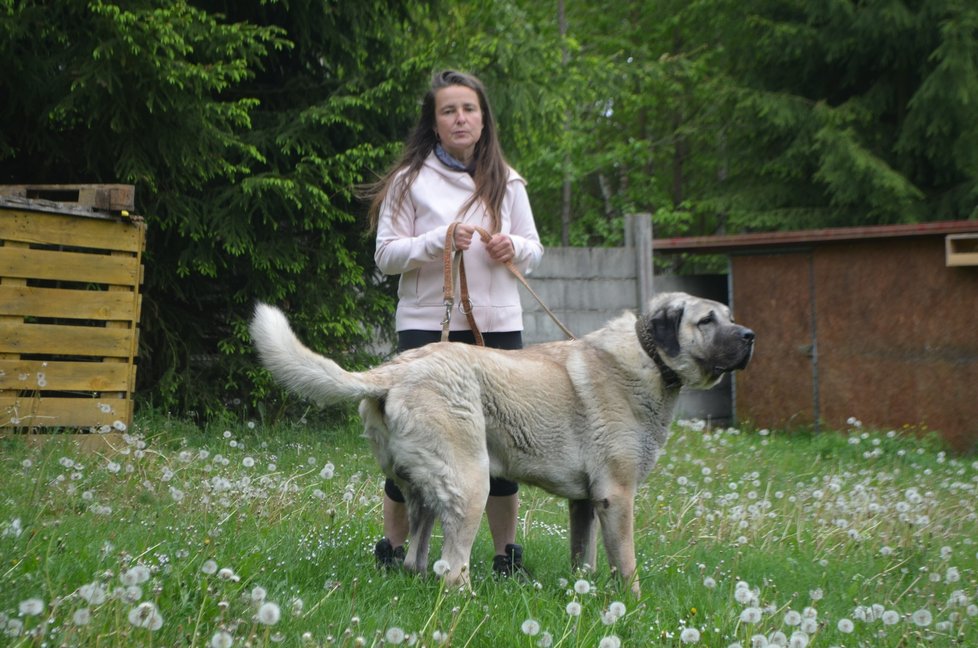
[412, 339]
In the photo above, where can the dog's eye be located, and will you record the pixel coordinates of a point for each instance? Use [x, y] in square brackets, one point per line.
[709, 319]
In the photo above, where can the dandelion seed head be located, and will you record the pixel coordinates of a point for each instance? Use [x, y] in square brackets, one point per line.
[617, 608]
[145, 615]
[581, 586]
[394, 635]
[30, 607]
[845, 626]
[81, 616]
[751, 615]
[441, 567]
[689, 636]
[269, 613]
[573, 609]
[922, 618]
[530, 627]
[610, 641]
[222, 639]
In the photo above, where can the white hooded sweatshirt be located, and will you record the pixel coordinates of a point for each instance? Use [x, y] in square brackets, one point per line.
[411, 243]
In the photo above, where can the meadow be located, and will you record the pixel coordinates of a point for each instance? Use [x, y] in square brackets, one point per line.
[171, 534]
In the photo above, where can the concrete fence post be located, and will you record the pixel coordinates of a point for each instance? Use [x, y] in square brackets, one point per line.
[638, 237]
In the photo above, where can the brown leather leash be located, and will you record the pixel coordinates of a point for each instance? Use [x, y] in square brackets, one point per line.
[455, 265]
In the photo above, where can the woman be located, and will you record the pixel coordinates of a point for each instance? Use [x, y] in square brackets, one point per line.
[453, 170]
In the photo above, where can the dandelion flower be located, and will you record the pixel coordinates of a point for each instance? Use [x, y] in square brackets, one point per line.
[922, 617]
[327, 471]
[439, 637]
[226, 573]
[31, 607]
[248, 462]
[891, 617]
[750, 615]
[798, 640]
[845, 626]
[222, 639]
[531, 627]
[209, 567]
[573, 609]
[93, 593]
[297, 605]
[546, 640]
[258, 594]
[81, 616]
[582, 586]
[617, 608]
[759, 641]
[792, 618]
[611, 641]
[14, 627]
[394, 635]
[441, 567]
[145, 615]
[690, 636]
[269, 613]
[743, 595]
[709, 583]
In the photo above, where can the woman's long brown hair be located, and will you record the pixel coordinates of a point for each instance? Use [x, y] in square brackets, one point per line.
[491, 169]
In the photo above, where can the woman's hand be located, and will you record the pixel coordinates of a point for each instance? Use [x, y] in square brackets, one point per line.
[462, 239]
[500, 248]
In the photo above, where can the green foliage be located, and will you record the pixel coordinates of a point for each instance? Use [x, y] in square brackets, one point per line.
[247, 126]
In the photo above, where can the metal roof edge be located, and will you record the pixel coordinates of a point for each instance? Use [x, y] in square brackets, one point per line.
[761, 240]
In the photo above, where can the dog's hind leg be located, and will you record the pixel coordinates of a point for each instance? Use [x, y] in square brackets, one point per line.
[421, 522]
[461, 517]
[583, 534]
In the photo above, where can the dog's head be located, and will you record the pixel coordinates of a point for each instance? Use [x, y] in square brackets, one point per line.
[695, 338]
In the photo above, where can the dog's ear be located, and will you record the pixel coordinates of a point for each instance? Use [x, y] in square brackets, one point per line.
[663, 324]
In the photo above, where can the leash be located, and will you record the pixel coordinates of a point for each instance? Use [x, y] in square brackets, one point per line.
[455, 265]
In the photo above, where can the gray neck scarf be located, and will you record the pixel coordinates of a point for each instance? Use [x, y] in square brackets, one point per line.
[451, 162]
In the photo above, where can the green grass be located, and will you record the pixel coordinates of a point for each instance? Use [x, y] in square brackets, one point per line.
[826, 526]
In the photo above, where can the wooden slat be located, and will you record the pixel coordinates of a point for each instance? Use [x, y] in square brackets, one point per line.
[58, 229]
[28, 301]
[57, 375]
[63, 412]
[55, 339]
[114, 197]
[26, 263]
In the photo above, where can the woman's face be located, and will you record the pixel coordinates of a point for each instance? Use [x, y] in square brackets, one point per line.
[458, 121]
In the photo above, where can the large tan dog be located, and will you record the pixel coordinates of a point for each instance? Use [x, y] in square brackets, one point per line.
[583, 419]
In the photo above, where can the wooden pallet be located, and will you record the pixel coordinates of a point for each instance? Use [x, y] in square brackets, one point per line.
[69, 309]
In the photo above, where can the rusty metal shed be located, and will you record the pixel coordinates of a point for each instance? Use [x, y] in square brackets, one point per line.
[875, 323]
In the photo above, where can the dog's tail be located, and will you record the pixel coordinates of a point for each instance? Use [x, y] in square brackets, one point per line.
[302, 371]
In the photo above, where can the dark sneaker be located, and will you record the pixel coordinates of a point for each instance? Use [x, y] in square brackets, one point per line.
[388, 556]
[510, 563]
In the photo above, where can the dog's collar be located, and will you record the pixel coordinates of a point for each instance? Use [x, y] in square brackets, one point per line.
[670, 378]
